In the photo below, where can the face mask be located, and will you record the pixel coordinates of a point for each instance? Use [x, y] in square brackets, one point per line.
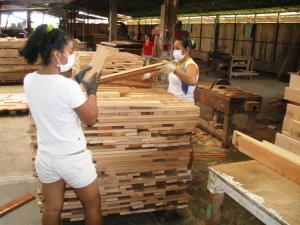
[69, 65]
[177, 54]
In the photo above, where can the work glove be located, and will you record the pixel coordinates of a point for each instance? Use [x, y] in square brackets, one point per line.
[167, 68]
[146, 76]
[91, 86]
[79, 76]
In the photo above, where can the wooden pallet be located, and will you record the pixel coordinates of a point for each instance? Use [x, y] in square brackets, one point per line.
[141, 149]
[12, 103]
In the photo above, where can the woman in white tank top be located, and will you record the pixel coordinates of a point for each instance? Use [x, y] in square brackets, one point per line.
[184, 73]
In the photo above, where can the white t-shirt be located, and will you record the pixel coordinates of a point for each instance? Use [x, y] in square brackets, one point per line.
[51, 100]
[175, 85]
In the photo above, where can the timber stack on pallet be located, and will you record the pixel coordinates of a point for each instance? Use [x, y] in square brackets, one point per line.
[13, 67]
[142, 151]
[114, 62]
[290, 136]
[13, 103]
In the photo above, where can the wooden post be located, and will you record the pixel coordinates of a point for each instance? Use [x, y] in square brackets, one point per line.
[253, 40]
[29, 21]
[113, 17]
[217, 31]
[234, 35]
[276, 38]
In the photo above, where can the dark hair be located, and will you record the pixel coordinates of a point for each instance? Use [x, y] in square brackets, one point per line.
[186, 42]
[43, 40]
[148, 36]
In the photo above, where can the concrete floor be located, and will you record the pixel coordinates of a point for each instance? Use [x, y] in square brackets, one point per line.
[16, 179]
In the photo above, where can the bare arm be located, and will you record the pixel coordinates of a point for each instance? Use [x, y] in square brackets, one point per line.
[190, 76]
[88, 111]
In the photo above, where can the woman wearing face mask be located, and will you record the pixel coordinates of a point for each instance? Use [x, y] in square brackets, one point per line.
[184, 74]
[57, 104]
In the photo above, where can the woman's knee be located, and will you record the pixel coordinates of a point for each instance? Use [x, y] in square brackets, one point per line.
[55, 207]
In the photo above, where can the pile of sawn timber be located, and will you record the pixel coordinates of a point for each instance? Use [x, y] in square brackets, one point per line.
[13, 103]
[13, 67]
[141, 147]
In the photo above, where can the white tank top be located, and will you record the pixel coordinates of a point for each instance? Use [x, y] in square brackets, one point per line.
[175, 84]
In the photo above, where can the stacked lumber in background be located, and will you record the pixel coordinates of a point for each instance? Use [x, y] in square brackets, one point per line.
[13, 67]
[141, 147]
[115, 62]
[290, 136]
[79, 45]
[13, 103]
[125, 46]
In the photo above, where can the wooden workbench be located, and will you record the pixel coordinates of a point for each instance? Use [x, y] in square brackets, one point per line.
[229, 101]
[272, 198]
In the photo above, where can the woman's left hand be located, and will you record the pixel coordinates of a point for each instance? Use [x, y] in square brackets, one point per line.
[79, 76]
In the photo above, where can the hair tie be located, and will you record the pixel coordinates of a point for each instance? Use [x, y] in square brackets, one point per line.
[49, 28]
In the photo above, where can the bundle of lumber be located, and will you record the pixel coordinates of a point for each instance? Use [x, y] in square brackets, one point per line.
[79, 45]
[290, 136]
[125, 46]
[109, 62]
[13, 67]
[142, 152]
[13, 103]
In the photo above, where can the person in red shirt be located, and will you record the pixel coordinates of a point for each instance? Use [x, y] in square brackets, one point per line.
[147, 49]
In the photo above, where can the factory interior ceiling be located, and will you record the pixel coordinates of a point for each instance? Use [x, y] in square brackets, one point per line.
[151, 8]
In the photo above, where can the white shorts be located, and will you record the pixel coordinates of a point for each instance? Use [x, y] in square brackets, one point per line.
[76, 170]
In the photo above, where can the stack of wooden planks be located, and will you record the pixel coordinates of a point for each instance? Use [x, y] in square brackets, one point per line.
[290, 136]
[284, 156]
[13, 67]
[114, 62]
[79, 45]
[142, 152]
[13, 103]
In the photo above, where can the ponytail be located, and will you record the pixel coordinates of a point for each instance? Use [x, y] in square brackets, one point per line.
[42, 42]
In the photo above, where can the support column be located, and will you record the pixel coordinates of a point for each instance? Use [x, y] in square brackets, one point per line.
[168, 20]
[29, 21]
[113, 17]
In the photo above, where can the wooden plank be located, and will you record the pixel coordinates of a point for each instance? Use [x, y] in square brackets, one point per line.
[292, 112]
[282, 161]
[292, 95]
[132, 72]
[16, 203]
[295, 81]
[294, 130]
[288, 143]
[97, 63]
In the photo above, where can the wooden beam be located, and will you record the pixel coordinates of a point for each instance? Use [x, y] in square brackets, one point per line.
[292, 112]
[294, 130]
[97, 63]
[288, 143]
[295, 81]
[280, 160]
[16, 203]
[113, 17]
[292, 95]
